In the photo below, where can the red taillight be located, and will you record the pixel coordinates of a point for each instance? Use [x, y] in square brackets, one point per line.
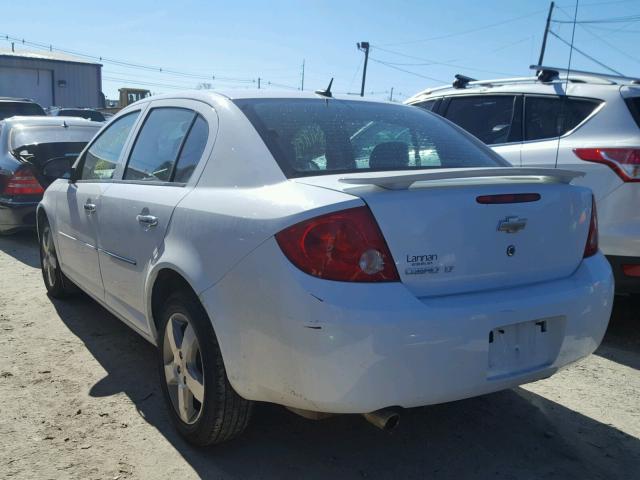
[624, 161]
[23, 182]
[347, 246]
[631, 270]
[591, 248]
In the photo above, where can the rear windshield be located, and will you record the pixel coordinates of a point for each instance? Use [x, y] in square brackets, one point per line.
[10, 109]
[634, 107]
[326, 136]
[88, 114]
[40, 153]
[51, 134]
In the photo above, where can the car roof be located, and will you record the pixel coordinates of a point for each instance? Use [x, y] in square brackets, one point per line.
[44, 121]
[237, 94]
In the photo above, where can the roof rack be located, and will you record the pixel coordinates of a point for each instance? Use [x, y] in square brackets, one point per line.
[606, 76]
[462, 81]
[544, 75]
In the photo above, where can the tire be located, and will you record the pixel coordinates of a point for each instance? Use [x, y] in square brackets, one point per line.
[56, 282]
[204, 413]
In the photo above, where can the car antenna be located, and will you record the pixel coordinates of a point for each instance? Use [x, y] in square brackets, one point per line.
[566, 86]
[327, 91]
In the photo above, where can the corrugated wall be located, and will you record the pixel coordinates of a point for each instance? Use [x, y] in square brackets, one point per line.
[72, 84]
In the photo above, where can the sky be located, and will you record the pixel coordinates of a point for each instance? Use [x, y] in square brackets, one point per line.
[414, 44]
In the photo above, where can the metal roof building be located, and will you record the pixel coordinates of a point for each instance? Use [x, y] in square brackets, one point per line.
[51, 78]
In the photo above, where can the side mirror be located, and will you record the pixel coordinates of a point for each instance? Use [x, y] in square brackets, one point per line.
[59, 167]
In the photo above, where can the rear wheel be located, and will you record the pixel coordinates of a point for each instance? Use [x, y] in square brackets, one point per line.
[203, 405]
[57, 284]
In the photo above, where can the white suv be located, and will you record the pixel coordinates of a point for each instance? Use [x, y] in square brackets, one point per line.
[594, 128]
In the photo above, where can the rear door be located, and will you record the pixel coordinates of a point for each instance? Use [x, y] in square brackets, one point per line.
[79, 204]
[549, 123]
[548, 119]
[494, 119]
[161, 168]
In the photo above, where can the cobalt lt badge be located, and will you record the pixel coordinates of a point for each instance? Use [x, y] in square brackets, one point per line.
[511, 250]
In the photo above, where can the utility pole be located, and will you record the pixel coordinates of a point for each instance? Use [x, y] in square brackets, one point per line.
[364, 46]
[302, 80]
[391, 95]
[546, 33]
[258, 83]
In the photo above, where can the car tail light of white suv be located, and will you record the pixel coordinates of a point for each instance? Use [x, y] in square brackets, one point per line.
[624, 161]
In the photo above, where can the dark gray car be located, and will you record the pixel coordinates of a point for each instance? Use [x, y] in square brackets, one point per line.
[34, 151]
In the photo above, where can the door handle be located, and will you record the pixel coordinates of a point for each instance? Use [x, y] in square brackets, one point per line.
[147, 220]
[90, 207]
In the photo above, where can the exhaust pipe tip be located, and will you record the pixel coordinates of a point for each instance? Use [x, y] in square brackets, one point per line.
[384, 419]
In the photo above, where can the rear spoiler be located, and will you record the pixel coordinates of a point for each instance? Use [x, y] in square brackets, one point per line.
[403, 180]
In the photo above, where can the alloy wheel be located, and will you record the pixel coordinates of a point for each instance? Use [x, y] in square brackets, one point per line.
[183, 369]
[49, 260]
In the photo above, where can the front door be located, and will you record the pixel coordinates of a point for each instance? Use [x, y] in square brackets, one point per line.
[77, 234]
[79, 205]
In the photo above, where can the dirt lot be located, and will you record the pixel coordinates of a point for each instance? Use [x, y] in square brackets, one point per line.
[79, 398]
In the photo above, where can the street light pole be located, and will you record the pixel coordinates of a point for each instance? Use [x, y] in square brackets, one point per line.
[364, 46]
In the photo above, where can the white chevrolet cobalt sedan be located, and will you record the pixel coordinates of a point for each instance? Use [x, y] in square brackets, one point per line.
[327, 254]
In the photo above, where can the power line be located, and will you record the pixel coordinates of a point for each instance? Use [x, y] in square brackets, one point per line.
[584, 54]
[407, 71]
[630, 18]
[614, 30]
[465, 32]
[144, 83]
[125, 63]
[611, 45]
[435, 62]
[355, 74]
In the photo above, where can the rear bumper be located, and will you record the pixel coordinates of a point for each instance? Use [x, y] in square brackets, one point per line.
[17, 215]
[292, 339]
[625, 283]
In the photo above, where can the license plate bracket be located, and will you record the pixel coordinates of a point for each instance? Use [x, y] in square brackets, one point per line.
[522, 347]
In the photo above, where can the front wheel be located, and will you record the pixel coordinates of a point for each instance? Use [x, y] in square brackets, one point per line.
[56, 282]
[202, 403]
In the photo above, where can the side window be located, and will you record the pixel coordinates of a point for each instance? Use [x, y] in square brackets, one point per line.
[156, 149]
[428, 105]
[634, 107]
[191, 150]
[488, 117]
[101, 159]
[547, 117]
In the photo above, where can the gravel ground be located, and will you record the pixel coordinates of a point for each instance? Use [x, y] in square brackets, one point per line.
[79, 398]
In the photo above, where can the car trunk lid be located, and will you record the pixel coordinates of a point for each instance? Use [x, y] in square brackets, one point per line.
[445, 239]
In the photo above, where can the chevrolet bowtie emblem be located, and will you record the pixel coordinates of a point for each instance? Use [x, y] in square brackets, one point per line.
[512, 224]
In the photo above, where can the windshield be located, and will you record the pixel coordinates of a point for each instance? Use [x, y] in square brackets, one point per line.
[326, 136]
[92, 115]
[10, 109]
